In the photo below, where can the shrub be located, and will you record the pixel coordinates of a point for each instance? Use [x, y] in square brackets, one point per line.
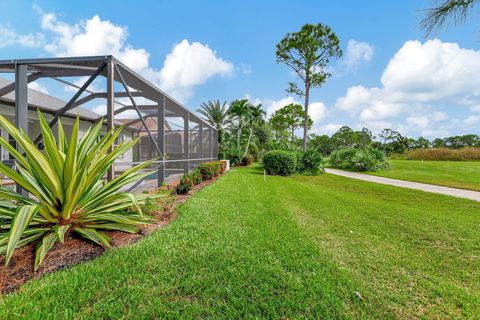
[234, 155]
[310, 162]
[210, 169]
[341, 158]
[247, 160]
[66, 191]
[279, 162]
[196, 175]
[217, 166]
[185, 184]
[369, 159]
[464, 154]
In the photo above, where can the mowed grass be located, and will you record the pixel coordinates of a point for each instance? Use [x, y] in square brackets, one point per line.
[455, 174]
[299, 247]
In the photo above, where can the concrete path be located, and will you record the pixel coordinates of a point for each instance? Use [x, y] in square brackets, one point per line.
[460, 193]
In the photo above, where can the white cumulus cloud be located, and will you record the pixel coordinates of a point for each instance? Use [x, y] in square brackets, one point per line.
[328, 129]
[9, 37]
[38, 87]
[419, 77]
[317, 111]
[188, 65]
[273, 105]
[358, 52]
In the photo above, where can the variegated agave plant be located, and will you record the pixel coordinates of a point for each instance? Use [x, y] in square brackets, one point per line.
[68, 191]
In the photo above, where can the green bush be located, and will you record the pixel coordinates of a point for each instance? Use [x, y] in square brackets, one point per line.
[341, 158]
[369, 159]
[185, 184]
[196, 175]
[247, 160]
[280, 162]
[210, 169]
[310, 162]
[234, 155]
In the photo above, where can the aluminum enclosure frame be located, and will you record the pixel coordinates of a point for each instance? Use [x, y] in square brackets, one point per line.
[198, 140]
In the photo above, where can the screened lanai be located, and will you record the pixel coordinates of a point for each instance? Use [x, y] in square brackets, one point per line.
[120, 96]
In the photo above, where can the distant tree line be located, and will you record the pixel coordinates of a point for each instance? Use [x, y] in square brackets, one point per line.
[388, 140]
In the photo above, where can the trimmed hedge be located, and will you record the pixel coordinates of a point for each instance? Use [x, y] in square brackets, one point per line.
[210, 169]
[185, 185]
[204, 171]
[280, 162]
[196, 175]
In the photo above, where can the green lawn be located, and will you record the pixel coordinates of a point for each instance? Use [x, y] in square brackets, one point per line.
[298, 247]
[455, 174]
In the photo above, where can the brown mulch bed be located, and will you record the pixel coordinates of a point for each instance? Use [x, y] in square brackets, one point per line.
[74, 250]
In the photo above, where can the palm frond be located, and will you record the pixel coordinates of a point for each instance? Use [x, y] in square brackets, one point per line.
[436, 18]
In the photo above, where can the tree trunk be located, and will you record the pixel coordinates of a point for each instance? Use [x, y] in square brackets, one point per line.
[238, 135]
[293, 134]
[248, 143]
[305, 125]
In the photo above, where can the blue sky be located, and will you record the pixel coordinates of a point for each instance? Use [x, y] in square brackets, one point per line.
[389, 76]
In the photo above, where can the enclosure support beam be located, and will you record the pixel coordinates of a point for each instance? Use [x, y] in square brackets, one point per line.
[186, 142]
[210, 132]
[11, 87]
[110, 110]
[69, 105]
[127, 90]
[161, 139]
[21, 104]
[200, 137]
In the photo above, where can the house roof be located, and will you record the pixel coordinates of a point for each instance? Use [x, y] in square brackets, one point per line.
[45, 102]
[152, 124]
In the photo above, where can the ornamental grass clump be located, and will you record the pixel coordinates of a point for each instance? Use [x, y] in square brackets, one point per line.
[67, 192]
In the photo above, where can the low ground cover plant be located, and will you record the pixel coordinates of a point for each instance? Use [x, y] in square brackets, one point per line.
[444, 154]
[154, 205]
[70, 195]
[280, 162]
[359, 159]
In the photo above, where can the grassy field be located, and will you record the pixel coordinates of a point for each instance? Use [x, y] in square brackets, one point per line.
[455, 174]
[299, 247]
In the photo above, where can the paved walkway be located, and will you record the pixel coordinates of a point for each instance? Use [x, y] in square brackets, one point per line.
[460, 193]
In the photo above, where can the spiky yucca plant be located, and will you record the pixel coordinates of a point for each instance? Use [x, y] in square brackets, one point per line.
[69, 192]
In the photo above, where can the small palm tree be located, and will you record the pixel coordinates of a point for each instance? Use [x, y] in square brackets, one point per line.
[436, 17]
[239, 111]
[215, 114]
